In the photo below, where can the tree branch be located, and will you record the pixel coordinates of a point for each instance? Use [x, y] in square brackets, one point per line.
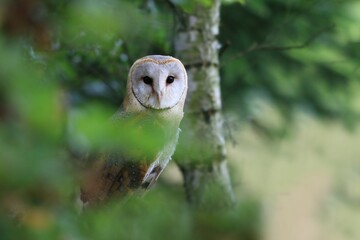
[268, 47]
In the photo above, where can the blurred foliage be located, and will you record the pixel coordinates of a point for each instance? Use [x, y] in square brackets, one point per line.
[293, 54]
[63, 71]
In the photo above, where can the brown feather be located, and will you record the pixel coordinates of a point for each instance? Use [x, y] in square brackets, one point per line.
[117, 172]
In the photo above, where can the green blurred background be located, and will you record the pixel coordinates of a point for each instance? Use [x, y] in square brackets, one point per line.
[290, 77]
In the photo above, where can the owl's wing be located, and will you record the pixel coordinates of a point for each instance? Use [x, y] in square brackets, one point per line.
[116, 172]
[113, 173]
[160, 162]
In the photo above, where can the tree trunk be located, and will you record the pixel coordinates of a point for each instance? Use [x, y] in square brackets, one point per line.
[202, 153]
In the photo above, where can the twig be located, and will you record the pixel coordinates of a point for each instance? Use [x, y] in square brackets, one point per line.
[267, 47]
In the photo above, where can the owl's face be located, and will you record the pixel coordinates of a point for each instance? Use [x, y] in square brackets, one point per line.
[158, 82]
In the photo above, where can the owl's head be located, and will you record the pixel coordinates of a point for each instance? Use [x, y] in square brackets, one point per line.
[158, 82]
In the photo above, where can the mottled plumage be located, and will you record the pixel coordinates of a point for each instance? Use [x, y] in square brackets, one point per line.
[154, 101]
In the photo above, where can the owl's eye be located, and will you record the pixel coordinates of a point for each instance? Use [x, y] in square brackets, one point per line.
[147, 80]
[170, 79]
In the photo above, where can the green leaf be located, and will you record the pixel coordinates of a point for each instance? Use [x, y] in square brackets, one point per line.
[190, 5]
[233, 1]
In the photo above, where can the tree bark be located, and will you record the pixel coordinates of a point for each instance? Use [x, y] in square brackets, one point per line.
[202, 153]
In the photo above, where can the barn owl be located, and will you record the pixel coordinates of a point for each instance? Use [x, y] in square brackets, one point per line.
[155, 96]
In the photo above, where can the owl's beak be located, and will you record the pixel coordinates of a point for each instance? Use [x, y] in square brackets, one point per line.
[159, 95]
